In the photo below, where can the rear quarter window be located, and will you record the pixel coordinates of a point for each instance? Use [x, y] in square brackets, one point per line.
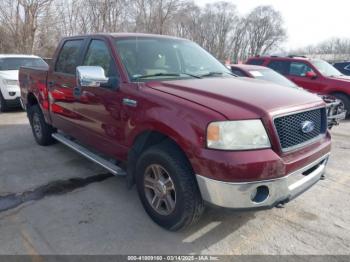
[255, 61]
[281, 67]
[238, 72]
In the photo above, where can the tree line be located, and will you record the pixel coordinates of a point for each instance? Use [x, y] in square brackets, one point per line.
[333, 49]
[35, 26]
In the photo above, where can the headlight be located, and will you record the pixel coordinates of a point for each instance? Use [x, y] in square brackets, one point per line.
[11, 82]
[237, 135]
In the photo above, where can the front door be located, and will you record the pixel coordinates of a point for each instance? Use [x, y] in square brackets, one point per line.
[99, 108]
[297, 73]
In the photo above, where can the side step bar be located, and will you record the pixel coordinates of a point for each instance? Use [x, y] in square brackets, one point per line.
[114, 169]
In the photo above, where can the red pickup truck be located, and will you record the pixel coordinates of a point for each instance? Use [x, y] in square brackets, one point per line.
[315, 75]
[178, 124]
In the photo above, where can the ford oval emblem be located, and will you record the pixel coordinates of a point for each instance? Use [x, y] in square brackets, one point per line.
[307, 127]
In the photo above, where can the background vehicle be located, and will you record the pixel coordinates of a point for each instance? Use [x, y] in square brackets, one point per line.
[315, 75]
[9, 86]
[335, 108]
[180, 125]
[344, 67]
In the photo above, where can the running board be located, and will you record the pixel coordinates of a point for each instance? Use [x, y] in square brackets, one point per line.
[114, 169]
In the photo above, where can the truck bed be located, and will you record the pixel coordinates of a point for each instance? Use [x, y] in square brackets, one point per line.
[34, 80]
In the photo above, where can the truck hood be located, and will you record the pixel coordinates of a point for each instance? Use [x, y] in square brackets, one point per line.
[238, 98]
[9, 75]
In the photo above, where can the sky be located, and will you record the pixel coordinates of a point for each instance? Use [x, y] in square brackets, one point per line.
[307, 22]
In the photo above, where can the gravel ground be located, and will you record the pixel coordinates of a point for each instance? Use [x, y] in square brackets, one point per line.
[99, 215]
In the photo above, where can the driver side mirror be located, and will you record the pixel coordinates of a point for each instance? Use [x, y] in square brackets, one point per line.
[311, 75]
[91, 76]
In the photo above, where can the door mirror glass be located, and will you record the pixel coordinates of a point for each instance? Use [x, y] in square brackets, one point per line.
[91, 76]
[311, 75]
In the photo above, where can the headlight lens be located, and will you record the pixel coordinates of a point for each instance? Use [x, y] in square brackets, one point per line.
[11, 82]
[237, 135]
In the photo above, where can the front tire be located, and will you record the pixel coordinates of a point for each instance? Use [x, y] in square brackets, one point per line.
[167, 187]
[3, 105]
[41, 130]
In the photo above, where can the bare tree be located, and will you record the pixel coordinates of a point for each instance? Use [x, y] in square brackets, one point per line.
[239, 42]
[20, 18]
[29, 26]
[154, 16]
[265, 30]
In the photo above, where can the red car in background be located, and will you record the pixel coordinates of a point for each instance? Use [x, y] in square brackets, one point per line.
[315, 75]
[335, 108]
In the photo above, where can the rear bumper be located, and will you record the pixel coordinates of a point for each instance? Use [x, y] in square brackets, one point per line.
[265, 193]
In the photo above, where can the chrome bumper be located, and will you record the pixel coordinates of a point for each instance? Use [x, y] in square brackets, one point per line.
[261, 194]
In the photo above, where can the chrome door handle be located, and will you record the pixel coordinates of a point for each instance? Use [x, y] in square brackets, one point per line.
[51, 83]
[129, 102]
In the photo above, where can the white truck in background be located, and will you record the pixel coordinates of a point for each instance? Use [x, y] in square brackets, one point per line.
[9, 87]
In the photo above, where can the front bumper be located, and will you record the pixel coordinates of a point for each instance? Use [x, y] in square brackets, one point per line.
[13, 102]
[335, 112]
[262, 194]
[11, 92]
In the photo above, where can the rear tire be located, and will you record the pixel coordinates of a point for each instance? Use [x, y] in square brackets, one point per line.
[41, 130]
[179, 191]
[3, 105]
[345, 100]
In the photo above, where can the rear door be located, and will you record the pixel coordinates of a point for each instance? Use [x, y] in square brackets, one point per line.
[61, 83]
[280, 66]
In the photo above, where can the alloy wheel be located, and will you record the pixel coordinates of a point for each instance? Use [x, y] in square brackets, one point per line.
[159, 189]
[37, 126]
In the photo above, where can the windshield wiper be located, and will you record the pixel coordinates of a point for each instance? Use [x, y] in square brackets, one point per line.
[166, 74]
[216, 74]
[158, 74]
[195, 76]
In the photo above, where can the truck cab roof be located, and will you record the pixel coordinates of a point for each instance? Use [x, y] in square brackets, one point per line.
[125, 35]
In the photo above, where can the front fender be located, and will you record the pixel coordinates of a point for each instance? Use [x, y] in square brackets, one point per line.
[182, 121]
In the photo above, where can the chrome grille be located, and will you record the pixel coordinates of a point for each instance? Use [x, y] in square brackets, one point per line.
[290, 132]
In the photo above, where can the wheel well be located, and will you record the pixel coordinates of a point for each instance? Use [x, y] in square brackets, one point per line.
[31, 100]
[148, 139]
[141, 144]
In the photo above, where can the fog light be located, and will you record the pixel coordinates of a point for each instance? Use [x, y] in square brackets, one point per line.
[12, 93]
[260, 194]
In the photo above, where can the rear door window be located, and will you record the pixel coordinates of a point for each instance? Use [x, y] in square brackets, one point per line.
[281, 67]
[68, 58]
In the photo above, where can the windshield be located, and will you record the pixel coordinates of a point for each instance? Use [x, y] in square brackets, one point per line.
[158, 58]
[272, 76]
[325, 68]
[16, 63]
